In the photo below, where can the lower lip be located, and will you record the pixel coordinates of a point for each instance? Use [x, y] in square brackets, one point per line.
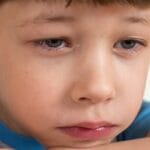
[88, 134]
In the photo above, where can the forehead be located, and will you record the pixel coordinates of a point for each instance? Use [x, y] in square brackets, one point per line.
[55, 9]
[35, 11]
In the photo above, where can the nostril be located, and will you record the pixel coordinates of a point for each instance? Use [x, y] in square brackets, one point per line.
[83, 99]
[93, 100]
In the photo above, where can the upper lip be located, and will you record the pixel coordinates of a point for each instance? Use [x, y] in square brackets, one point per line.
[93, 125]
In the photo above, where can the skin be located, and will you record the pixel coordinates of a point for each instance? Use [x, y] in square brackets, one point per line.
[90, 76]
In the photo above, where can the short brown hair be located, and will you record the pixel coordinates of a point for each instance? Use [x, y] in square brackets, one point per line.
[136, 3]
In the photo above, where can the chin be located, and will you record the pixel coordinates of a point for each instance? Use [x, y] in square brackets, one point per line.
[80, 145]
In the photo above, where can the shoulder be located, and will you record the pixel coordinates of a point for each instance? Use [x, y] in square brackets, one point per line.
[141, 125]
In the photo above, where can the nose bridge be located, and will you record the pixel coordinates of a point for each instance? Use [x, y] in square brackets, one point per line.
[95, 79]
[97, 65]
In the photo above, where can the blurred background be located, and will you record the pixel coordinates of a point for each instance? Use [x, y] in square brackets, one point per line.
[147, 90]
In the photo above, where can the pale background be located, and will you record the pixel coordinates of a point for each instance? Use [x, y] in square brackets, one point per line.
[147, 91]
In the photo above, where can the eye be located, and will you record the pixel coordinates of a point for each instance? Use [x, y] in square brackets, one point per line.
[52, 44]
[129, 45]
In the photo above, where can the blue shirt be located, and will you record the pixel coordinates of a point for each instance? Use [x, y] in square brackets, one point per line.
[17, 141]
[138, 129]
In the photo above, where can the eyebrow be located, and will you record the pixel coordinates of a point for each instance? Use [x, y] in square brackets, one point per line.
[137, 20]
[59, 18]
[45, 18]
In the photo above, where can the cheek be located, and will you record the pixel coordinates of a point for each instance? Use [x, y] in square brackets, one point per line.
[30, 99]
[131, 96]
[32, 89]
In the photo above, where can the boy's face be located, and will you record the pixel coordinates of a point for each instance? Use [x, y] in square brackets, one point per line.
[75, 76]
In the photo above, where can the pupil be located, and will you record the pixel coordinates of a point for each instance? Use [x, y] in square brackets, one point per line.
[128, 44]
[53, 43]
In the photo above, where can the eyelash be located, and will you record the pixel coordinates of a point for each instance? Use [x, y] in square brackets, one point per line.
[56, 43]
[134, 43]
[63, 45]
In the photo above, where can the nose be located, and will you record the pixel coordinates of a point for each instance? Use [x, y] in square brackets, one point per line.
[94, 81]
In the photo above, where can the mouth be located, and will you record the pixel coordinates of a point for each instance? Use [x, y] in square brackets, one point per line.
[89, 130]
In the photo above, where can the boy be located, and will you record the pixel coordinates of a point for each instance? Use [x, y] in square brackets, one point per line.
[73, 75]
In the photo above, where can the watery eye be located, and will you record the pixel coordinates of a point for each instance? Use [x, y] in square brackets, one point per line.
[128, 44]
[53, 46]
[53, 43]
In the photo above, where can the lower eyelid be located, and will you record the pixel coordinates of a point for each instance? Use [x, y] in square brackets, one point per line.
[48, 52]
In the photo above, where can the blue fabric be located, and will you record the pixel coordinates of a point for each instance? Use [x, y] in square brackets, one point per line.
[140, 126]
[16, 141]
[138, 129]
